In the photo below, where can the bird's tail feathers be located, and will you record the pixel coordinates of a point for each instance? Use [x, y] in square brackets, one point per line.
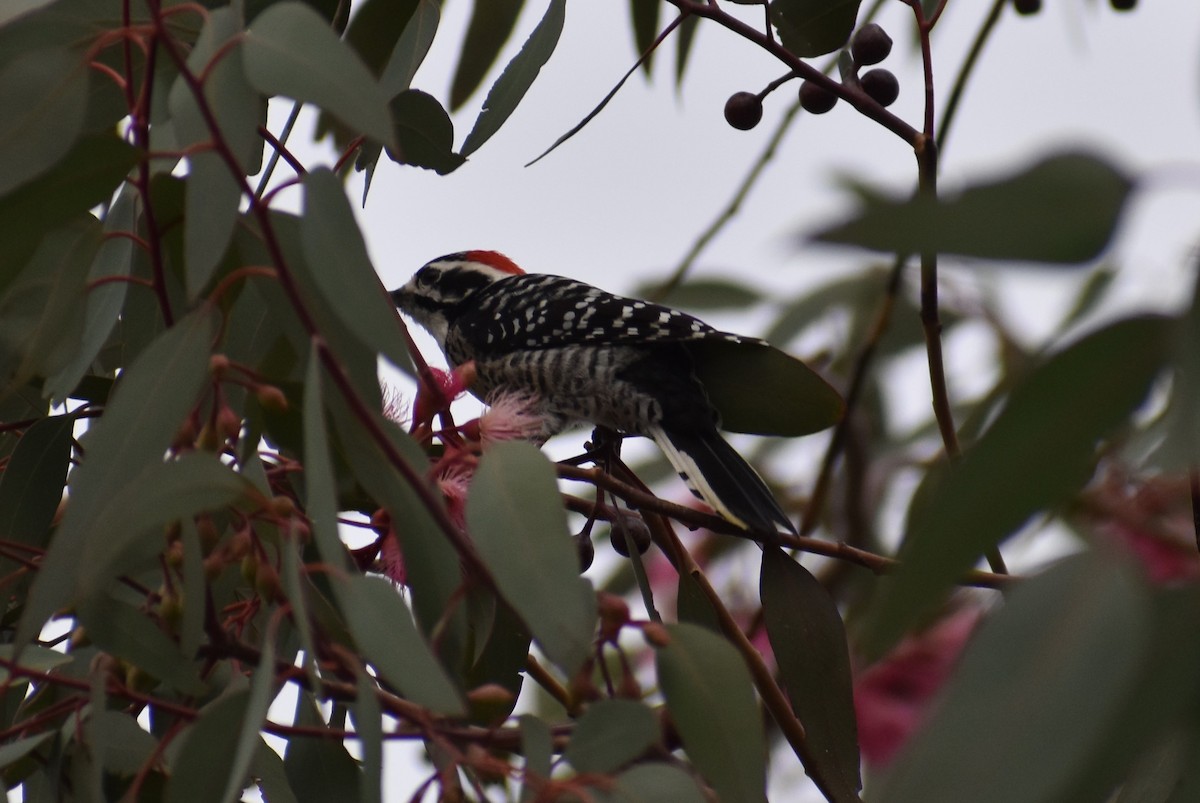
[719, 476]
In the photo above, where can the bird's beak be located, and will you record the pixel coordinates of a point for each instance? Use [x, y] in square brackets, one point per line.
[402, 298]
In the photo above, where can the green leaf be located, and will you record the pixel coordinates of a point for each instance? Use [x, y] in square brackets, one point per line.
[761, 390]
[809, 641]
[514, 511]
[434, 574]
[376, 27]
[254, 713]
[41, 311]
[338, 262]
[645, 16]
[684, 38]
[383, 629]
[85, 177]
[710, 696]
[653, 783]
[537, 744]
[1039, 451]
[127, 633]
[814, 27]
[33, 657]
[203, 768]
[411, 48]
[492, 22]
[45, 96]
[120, 744]
[272, 778]
[425, 133]
[104, 302]
[289, 50]
[610, 735]
[31, 486]
[213, 191]
[13, 752]
[1063, 209]
[319, 770]
[126, 530]
[140, 420]
[368, 724]
[319, 483]
[517, 77]
[1043, 678]
[691, 604]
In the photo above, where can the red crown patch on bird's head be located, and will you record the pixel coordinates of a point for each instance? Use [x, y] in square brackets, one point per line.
[494, 259]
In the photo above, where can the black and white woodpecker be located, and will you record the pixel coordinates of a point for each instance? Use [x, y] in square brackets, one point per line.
[587, 356]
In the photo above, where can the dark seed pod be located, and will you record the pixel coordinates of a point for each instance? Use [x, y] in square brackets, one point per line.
[881, 85]
[636, 528]
[587, 552]
[816, 99]
[870, 45]
[1027, 7]
[1123, 5]
[743, 110]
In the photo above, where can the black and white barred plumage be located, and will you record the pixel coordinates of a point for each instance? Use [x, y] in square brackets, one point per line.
[590, 356]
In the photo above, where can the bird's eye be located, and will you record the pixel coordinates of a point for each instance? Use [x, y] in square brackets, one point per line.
[428, 277]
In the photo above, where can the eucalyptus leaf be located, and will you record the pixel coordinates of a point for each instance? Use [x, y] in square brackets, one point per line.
[492, 22]
[518, 524]
[1062, 210]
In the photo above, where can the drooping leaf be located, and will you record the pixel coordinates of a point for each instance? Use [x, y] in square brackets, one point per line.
[761, 390]
[85, 177]
[1038, 451]
[424, 132]
[126, 530]
[214, 187]
[125, 632]
[319, 770]
[514, 511]
[319, 483]
[150, 401]
[341, 268]
[204, 767]
[814, 27]
[645, 15]
[383, 629]
[1063, 209]
[120, 744]
[368, 724]
[683, 46]
[104, 302]
[411, 48]
[653, 783]
[272, 778]
[32, 657]
[253, 714]
[41, 310]
[1043, 677]
[376, 27]
[710, 696]
[517, 77]
[13, 752]
[809, 641]
[537, 743]
[45, 95]
[31, 486]
[610, 735]
[432, 566]
[492, 22]
[289, 50]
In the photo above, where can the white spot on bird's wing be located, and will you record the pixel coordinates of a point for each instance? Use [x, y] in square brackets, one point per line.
[639, 305]
[663, 317]
[619, 322]
[569, 316]
[695, 326]
[633, 330]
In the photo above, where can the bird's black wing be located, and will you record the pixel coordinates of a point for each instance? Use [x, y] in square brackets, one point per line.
[536, 311]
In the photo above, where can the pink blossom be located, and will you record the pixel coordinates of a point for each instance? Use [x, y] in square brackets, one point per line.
[892, 696]
[391, 559]
[453, 483]
[446, 387]
[511, 417]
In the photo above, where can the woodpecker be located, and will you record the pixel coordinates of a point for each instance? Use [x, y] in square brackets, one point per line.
[587, 356]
